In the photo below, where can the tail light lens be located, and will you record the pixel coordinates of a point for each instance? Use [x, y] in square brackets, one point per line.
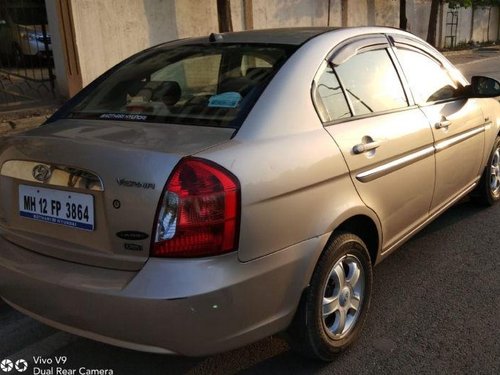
[199, 211]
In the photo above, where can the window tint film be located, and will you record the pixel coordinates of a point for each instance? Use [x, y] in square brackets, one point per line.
[208, 85]
[428, 80]
[372, 83]
[332, 97]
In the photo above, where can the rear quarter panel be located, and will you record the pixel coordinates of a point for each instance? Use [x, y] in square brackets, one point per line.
[294, 181]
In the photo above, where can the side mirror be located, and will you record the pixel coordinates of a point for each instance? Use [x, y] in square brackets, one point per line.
[484, 87]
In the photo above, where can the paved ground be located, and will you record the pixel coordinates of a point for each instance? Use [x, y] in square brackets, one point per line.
[471, 55]
[10, 125]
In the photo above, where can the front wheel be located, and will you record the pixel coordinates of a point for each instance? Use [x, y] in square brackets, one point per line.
[333, 310]
[488, 190]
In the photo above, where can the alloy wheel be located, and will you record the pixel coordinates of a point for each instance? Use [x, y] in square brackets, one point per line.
[495, 173]
[343, 296]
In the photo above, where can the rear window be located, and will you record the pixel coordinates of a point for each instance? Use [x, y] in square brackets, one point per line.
[208, 85]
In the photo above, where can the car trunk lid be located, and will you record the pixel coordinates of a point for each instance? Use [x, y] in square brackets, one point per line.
[105, 181]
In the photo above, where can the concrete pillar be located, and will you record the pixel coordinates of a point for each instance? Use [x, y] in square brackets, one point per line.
[108, 31]
[64, 49]
[248, 12]
[345, 12]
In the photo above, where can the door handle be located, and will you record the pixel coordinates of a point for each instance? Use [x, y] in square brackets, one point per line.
[444, 123]
[365, 147]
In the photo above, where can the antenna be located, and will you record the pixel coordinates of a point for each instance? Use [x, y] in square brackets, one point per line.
[215, 37]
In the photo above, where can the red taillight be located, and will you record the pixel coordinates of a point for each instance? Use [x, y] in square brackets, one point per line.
[199, 211]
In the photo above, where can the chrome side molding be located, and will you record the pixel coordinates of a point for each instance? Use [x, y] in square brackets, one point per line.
[385, 169]
[459, 138]
[394, 165]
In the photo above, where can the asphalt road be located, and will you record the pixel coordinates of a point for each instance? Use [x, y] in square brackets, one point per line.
[435, 309]
[484, 62]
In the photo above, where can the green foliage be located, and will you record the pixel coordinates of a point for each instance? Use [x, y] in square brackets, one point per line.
[459, 3]
[469, 3]
[478, 3]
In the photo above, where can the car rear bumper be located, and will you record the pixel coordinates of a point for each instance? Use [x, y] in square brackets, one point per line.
[190, 307]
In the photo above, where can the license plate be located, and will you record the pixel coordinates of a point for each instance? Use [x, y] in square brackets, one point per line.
[57, 207]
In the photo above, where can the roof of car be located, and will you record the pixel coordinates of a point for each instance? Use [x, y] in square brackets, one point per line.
[295, 36]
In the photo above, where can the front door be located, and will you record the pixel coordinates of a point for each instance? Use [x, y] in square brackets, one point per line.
[457, 124]
[386, 143]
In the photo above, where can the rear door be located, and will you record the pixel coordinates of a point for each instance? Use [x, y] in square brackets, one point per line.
[457, 123]
[386, 141]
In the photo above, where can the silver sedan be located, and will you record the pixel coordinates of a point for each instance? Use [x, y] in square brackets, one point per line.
[210, 192]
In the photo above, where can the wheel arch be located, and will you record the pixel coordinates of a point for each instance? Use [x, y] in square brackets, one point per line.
[365, 228]
[359, 221]
[362, 225]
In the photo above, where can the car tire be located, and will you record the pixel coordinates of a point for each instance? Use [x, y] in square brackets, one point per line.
[334, 307]
[487, 192]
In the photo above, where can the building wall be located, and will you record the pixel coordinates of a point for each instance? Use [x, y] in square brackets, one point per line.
[373, 13]
[478, 25]
[287, 13]
[193, 18]
[238, 15]
[108, 31]
[464, 25]
[387, 13]
[485, 24]
[418, 12]
[357, 13]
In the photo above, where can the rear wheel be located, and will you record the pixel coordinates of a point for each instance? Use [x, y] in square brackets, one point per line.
[334, 307]
[488, 190]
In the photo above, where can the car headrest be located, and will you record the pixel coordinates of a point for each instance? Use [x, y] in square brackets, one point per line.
[241, 85]
[258, 74]
[169, 92]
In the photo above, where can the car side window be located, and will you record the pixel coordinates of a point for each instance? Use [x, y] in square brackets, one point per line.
[429, 81]
[331, 95]
[371, 83]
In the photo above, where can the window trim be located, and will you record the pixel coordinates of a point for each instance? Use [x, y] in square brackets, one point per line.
[354, 46]
[412, 48]
[318, 101]
[359, 45]
[370, 115]
[402, 77]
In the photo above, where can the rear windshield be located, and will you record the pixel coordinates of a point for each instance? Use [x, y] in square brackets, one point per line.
[207, 85]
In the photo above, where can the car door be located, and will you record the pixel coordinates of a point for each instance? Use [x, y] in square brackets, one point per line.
[457, 123]
[386, 141]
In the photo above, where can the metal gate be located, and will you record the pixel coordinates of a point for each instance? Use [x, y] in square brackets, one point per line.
[26, 63]
[450, 39]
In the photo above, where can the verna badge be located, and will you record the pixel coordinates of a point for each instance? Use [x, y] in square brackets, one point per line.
[41, 173]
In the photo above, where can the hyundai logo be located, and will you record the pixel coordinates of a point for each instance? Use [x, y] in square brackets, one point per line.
[41, 173]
